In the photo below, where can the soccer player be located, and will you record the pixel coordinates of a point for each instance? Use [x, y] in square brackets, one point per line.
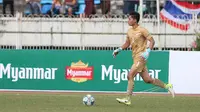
[138, 37]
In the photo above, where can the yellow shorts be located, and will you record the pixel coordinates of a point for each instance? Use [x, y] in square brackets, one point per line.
[139, 64]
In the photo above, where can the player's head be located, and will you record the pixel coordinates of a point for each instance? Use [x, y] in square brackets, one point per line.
[133, 18]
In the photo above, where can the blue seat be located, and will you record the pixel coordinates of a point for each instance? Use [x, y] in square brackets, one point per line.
[82, 6]
[1, 1]
[81, 9]
[81, 1]
[46, 8]
[96, 2]
[46, 2]
[27, 12]
[28, 9]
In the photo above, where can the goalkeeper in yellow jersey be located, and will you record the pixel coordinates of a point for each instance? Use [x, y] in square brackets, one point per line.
[137, 38]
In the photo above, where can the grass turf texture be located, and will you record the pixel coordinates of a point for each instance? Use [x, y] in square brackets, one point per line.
[26, 102]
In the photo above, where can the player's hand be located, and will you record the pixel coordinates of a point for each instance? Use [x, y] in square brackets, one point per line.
[115, 52]
[145, 54]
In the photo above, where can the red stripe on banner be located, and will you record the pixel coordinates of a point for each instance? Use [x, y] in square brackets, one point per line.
[174, 24]
[188, 5]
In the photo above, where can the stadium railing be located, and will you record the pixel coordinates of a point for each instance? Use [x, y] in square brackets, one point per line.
[108, 33]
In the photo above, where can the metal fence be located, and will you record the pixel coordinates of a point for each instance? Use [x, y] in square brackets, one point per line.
[17, 32]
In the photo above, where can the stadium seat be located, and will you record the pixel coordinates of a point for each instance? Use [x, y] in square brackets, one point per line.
[46, 2]
[27, 12]
[81, 1]
[46, 5]
[46, 8]
[96, 2]
[81, 7]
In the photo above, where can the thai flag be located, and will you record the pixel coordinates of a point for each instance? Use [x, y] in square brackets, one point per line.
[179, 13]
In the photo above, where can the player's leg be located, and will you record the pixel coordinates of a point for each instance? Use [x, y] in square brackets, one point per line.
[132, 73]
[147, 79]
[145, 76]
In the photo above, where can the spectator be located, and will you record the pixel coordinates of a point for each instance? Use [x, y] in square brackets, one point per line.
[162, 3]
[116, 7]
[105, 6]
[36, 7]
[130, 6]
[28, 8]
[8, 2]
[57, 7]
[89, 9]
[151, 6]
[33, 7]
[71, 6]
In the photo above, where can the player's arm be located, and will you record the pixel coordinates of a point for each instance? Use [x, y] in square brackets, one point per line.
[124, 46]
[148, 36]
[152, 42]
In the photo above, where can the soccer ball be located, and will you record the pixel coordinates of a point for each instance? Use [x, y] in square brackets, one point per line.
[88, 100]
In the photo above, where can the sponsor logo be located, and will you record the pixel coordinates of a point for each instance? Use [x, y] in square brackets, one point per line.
[119, 75]
[24, 73]
[79, 72]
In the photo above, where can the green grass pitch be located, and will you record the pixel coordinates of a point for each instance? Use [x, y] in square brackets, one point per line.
[65, 102]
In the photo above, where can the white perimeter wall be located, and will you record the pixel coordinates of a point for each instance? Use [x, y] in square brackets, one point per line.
[38, 25]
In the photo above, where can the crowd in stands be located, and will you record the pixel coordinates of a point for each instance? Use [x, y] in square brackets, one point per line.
[5, 3]
[83, 8]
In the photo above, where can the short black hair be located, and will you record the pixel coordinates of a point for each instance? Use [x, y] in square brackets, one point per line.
[135, 15]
